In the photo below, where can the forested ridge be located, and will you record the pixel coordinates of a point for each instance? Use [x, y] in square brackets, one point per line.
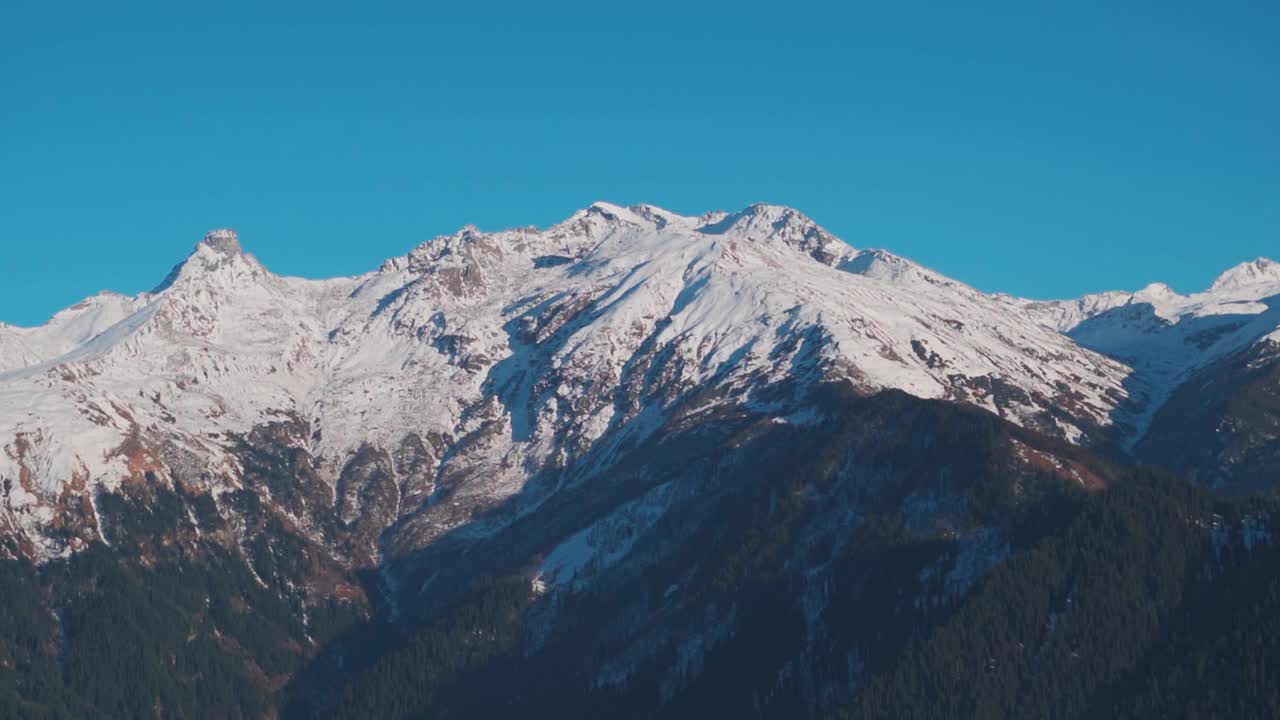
[1156, 601]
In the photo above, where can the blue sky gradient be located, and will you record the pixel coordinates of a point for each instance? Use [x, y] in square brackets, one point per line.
[1046, 152]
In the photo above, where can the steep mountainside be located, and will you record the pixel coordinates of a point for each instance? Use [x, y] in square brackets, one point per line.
[734, 567]
[1222, 426]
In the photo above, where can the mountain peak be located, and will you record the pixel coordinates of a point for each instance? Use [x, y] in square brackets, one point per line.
[223, 241]
[757, 215]
[1156, 290]
[219, 249]
[642, 214]
[607, 208]
[779, 223]
[1261, 270]
[602, 217]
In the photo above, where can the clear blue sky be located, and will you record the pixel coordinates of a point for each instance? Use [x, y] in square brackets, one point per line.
[1045, 152]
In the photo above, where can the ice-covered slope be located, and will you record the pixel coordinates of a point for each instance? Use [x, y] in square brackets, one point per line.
[491, 357]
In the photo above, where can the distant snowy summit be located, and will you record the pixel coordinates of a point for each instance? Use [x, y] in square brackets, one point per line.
[491, 357]
[1260, 272]
[1166, 336]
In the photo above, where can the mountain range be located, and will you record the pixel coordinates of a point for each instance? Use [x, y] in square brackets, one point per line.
[640, 459]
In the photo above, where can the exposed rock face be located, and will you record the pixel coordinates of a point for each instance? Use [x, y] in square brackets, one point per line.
[224, 242]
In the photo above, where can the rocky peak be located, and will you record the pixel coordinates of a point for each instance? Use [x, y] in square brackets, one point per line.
[219, 250]
[781, 224]
[223, 241]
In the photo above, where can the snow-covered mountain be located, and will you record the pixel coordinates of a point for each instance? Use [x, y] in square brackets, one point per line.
[621, 452]
[497, 355]
[493, 356]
